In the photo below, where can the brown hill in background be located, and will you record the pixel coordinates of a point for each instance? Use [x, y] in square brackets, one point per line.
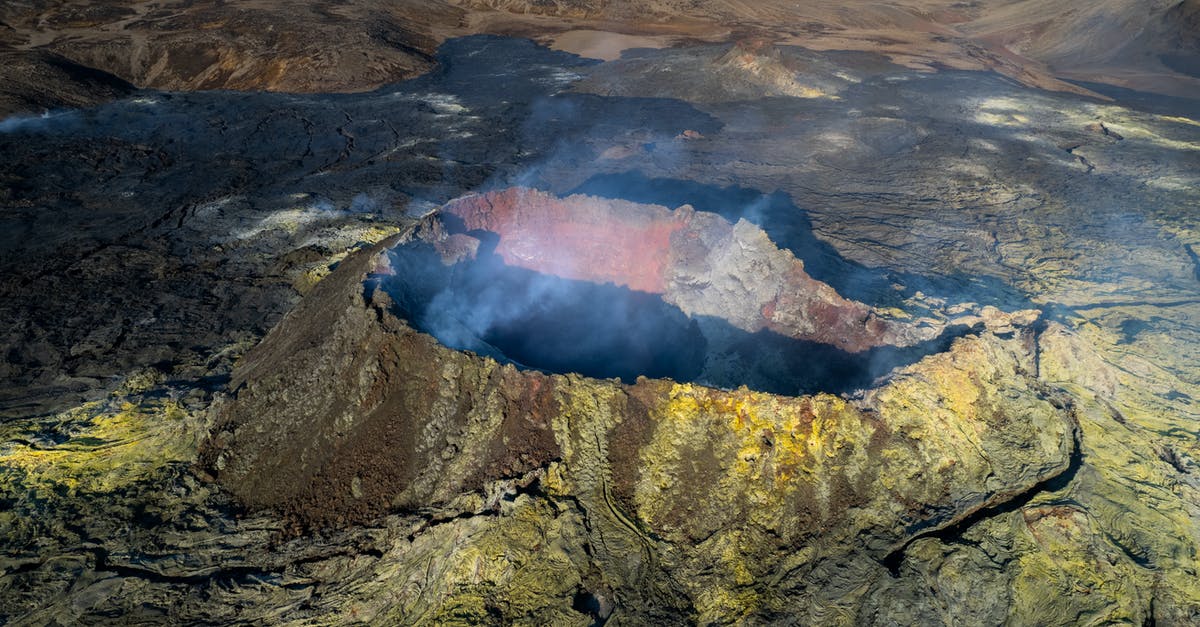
[359, 45]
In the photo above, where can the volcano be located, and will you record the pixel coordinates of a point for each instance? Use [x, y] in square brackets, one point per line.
[501, 310]
[475, 312]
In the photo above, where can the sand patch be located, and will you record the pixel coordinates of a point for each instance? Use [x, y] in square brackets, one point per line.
[595, 44]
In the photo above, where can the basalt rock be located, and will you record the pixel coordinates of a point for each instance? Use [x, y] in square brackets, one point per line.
[150, 242]
[699, 501]
[41, 81]
[696, 261]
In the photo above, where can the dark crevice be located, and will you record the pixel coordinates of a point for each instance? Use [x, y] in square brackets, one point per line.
[434, 521]
[1083, 160]
[356, 551]
[1134, 556]
[1195, 257]
[1168, 454]
[529, 484]
[1116, 414]
[952, 533]
[586, 602]
[238, 574]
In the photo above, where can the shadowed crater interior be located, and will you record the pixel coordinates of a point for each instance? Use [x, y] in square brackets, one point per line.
[543, 321]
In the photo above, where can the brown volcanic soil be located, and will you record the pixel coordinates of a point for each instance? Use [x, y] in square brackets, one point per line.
[359, 45]
[30, 81]
[260, 45]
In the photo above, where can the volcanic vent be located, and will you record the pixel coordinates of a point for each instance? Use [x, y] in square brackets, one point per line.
[347, 410]
[610, 288]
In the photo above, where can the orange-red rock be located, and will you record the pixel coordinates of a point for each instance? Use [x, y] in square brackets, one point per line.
[681, 254]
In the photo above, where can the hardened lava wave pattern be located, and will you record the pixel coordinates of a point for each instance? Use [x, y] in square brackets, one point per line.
[587, 313]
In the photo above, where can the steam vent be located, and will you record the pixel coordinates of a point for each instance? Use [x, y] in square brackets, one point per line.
[593, 313]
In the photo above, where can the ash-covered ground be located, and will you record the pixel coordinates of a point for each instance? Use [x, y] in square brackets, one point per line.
[1033, 473]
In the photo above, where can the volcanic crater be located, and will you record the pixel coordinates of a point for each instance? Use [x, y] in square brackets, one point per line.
[615, 289]
[469, 354]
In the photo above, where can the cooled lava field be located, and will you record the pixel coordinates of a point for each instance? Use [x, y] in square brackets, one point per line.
[600, 313]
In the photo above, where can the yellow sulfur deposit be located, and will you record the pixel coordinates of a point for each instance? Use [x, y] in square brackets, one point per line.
[99, 447]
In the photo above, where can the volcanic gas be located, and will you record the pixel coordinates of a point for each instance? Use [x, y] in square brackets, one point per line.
[610, 288]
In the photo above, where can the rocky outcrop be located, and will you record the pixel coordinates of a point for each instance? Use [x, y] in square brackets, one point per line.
[40, 81]
[697, 261]
[339, 454]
